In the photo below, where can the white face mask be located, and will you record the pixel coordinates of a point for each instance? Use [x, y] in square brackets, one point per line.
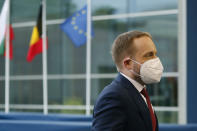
[150, 71]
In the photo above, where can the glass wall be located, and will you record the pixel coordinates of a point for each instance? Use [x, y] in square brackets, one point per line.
[66, 63]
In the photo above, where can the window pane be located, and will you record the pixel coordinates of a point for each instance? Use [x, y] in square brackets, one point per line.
[97, 86]
[103, 7]
[2, 65]
[61, 9]
[26, 92]
[63, 56]
[2, 91]
[19, 64]
[1, 4]
[167, 116]
[105, 33]
[24, 10]
[165, 40]
[66, 92]
[165, 93]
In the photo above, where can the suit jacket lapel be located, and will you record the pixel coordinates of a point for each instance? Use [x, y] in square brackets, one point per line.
[133, 92]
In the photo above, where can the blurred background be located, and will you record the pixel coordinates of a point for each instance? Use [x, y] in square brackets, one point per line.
[66, 63]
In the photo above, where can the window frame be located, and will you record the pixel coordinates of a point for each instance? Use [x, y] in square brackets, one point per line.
[180, 74]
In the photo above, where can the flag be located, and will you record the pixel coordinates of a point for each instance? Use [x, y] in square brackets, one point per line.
[35, 46]
[76, 27]
[3, 19]
[10, 42]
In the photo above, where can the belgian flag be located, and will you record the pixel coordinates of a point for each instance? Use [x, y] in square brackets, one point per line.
[36, 41]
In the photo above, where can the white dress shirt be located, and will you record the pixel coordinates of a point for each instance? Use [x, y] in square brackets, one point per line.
[137, 85]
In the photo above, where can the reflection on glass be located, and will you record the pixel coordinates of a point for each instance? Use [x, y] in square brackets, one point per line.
[63, 56]
[97, 85]
[61, 9]
[24, 10]
[105, 33]
[1, 4]
[107, 7]
[66, 92]
[19, 64]
[2, 65]
[167, 117]
[26, 92]
[162, 28]
[164, 93]
[2, 92]
[58, 9]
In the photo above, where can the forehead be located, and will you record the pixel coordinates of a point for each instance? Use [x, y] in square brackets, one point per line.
[143, 44]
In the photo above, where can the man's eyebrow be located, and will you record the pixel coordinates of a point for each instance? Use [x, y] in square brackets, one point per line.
[147, 53]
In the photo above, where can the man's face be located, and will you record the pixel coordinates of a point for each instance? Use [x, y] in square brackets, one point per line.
[144, 49]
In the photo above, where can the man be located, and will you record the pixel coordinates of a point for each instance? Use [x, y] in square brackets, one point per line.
[124, 105]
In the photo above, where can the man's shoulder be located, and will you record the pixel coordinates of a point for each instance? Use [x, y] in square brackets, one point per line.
[112, 92]
[114, 89]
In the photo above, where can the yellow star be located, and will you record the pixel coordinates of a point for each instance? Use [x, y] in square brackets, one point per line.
[75, 27]
[83, 12]
[73, 22]
[80, 31]
[73, 18]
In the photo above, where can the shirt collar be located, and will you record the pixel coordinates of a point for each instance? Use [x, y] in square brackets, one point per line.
[136, 84]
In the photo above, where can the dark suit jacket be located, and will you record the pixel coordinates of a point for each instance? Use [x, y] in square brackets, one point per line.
[120, 107]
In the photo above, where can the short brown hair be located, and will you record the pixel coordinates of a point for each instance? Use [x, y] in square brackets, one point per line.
[122, 45]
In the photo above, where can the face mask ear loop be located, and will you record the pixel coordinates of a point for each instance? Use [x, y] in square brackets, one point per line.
[136, 62]
[133, 70]
[135, 73]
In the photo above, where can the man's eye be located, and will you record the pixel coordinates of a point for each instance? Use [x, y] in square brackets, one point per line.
[149, 54]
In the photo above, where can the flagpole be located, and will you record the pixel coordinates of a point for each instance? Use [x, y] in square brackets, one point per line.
[88, 58]
[7, 62]
[44, 58]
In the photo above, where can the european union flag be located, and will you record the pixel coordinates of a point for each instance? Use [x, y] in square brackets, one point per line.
[75, 27]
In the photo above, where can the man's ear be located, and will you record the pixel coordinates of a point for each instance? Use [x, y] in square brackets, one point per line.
[127, 63]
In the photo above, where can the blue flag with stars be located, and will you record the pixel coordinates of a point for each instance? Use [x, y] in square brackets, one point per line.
[75, 27]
